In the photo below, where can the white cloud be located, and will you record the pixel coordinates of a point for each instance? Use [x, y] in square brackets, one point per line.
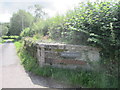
[63, 5]
[20, 0]
[52, 7]
[5, 17]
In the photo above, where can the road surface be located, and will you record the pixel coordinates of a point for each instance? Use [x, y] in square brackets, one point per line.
[14, 75]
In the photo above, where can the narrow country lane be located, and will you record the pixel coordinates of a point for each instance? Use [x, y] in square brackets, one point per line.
[13, 74]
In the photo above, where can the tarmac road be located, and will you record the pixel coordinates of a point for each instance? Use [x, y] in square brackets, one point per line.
[13, 74]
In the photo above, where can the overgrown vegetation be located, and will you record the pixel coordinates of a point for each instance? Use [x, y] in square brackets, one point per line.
[19, 21]
[96, 24]
[10, 37]
[78, 77]
[4, 28]
[91, 23]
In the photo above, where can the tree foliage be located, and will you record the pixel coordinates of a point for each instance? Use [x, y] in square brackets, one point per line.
[38, 12]
[4, 28]
[19, 21]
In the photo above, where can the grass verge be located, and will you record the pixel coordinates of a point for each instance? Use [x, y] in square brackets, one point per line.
[91, 79]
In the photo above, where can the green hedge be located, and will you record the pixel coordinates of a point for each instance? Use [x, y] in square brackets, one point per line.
[10, 37]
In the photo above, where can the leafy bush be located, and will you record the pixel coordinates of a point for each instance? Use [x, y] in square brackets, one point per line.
[10, 37]
[18, 45]
[26, 32]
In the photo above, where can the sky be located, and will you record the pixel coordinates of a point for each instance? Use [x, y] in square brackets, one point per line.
[52, 7]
